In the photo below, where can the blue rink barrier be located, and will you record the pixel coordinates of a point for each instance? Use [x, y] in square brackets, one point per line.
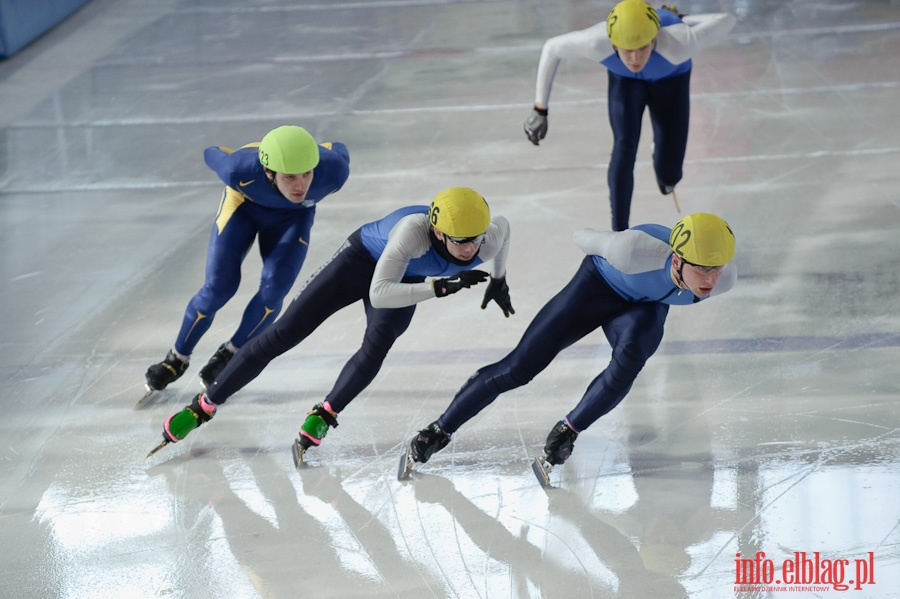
[22, 21]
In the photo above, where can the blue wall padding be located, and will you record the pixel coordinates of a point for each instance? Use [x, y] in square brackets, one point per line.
[22, 21]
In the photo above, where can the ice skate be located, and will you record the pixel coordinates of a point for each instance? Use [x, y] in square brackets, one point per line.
[313, 430]
[669, 189]
[179, 425]
[161, 375]
[421, 447]
[406, 464]
[149, 394]
[557, 450]
[541, 468]
[216, 365]
[298, 450]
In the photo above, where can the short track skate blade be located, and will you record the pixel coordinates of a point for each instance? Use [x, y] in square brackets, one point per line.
[148, 395]
[158, 447]
[541, 470]
[297, 450]
[675, 199]
[405, 468]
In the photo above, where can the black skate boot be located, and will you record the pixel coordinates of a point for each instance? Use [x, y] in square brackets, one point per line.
[421, 447]
[669, 189]
[557, 450]
[159, 376]
[216, 364]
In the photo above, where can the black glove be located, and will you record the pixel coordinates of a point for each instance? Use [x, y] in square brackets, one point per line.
[498, 291]
[464, 279]
[536, 125]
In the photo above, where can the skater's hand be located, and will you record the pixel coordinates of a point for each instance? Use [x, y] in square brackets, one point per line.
[498, 291]
[536, 125]
[461, 280]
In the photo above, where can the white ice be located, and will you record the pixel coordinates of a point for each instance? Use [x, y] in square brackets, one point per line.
[767, 422]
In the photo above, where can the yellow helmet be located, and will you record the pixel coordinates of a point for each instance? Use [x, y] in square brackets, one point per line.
[289, 149]
[632, 24]
[459, 212]
[703, 239]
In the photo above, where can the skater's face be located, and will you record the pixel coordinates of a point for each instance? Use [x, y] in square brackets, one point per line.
[292, 187]
[460, 249]
[699, 280]
[636, 60]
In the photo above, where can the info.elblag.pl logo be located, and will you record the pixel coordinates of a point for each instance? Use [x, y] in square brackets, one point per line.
[803, 573]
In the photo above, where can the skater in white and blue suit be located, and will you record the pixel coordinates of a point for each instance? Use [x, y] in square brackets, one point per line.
[625, 286]
[384, 264]
[647, 55]
[272, 188]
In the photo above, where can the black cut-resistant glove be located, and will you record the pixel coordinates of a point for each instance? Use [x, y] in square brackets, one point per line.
[498, 291]
[461, 280]
[536, 125]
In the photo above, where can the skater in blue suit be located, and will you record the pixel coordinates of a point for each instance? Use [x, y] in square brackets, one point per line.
[625, 286]
[384, 265]
[647, 55]
[271, 191]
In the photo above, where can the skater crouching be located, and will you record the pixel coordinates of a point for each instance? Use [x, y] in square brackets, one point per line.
[625, 286]
[384, 264]
[272, 188]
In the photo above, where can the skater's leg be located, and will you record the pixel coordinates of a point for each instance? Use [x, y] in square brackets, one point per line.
[579, 308]
[635, 336]
[283, 247]
[342, 281]
[229, 242]
[383, 327]
[669, 107]
[627, 99]
[283, 243]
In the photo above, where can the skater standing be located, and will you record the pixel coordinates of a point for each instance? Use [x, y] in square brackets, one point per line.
[625, 286]
[272, 188]
[647, 55]
[384, 264]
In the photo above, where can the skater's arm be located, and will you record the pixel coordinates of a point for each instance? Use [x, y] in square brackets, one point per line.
[630, 251]
[333, 168]
[407, 241]
[496, 246]
[677, 43]
[591, 43]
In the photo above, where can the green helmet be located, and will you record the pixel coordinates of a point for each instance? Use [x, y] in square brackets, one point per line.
[289, 149]
[460, 212]
[703, 239]
[632, 24]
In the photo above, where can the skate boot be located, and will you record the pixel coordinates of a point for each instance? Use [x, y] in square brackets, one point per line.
[179, 425]
[421, 447]
[216, 364]
[159, 376]
[557, 450]
[669, 189]
[313, 430]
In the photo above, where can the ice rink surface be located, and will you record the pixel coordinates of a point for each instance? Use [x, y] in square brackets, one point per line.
[767, 422]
